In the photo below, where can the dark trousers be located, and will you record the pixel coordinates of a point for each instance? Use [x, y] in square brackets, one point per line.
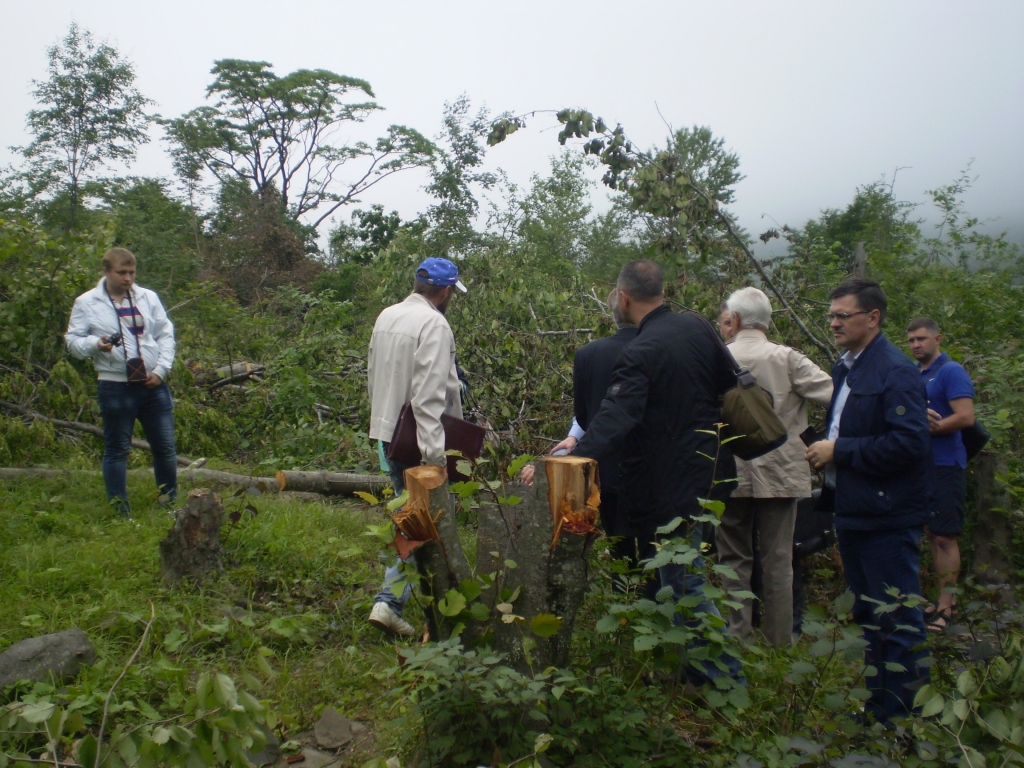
[875, 561]
[121, 405]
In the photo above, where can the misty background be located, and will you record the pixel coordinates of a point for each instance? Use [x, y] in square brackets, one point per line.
[816, 99]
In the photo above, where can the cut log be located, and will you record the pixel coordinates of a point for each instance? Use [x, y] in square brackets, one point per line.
[244, 375]
[331, 483]
[429, 516]
[549, 537]
[212, 476]
[192, 548]
[78, 426]
[57, 656]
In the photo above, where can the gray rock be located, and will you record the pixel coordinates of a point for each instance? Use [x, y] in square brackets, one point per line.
[271, 752]
[314, 758]
[59, 655]
[333, 730]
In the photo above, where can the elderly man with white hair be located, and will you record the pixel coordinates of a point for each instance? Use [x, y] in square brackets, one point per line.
[769, 486]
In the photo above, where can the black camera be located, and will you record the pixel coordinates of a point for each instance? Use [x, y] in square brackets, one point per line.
[115, 340]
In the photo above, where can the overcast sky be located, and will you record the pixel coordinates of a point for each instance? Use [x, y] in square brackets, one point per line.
[815, 98]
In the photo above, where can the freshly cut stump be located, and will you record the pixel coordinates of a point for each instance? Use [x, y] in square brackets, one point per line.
[428, 527]
[548, 537]
[192, 547]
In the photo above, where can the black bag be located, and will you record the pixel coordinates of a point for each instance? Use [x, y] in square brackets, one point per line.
[975, 438]
[748, 412]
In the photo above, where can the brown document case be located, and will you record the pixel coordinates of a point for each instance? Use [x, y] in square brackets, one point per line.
[459, 435]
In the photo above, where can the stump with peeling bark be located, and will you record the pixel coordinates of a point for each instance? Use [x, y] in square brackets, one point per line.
[548, 537]
[427, 526]
[192, 547]
[534, 553]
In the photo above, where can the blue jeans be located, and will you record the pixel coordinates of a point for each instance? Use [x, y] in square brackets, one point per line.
[392, 576]
[121, 404]
[874, 561]
[688, 581]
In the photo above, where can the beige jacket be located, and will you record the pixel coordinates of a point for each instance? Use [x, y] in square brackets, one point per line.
[792, 379]
[412, 359]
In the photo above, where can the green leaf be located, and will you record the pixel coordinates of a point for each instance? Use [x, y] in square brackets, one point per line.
[966, 684]
[518, 463]
[452, 604]
[85, 752]
[645, 642]
[397, 502]
[225, 693]
[470, 589]
[607, 624]
[369, 498]
[37, 712]
[479, 612]
[545, 625]
[161, 735]
[844, 603]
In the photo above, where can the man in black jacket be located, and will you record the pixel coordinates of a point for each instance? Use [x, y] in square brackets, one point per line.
[660, 413]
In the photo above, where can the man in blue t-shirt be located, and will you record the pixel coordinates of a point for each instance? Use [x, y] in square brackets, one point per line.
[950, 409]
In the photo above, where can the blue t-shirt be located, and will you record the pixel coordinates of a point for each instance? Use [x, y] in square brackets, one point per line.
[947, 380]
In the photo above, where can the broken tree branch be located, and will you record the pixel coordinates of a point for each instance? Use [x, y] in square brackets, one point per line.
[78, 426]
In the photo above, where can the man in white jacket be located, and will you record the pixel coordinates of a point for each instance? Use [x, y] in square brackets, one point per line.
[114, 323]
[412, 360]
[769, 486]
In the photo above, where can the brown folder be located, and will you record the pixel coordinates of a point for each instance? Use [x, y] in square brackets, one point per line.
[459, 435]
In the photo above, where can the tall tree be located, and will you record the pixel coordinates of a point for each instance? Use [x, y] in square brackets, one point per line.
[275, 133]
[454, 173]
[90, 114]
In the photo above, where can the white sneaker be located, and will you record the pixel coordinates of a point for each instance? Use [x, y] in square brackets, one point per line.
[384, 617]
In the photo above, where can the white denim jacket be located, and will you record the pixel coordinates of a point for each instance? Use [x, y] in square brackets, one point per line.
[412, 359]
[93, 316]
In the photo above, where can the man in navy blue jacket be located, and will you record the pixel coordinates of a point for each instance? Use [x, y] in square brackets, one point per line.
[877, 458]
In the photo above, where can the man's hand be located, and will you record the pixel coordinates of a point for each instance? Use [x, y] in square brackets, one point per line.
[153, 381]
[568, 444]
[104, 344]
[527, 475]
[820, 453]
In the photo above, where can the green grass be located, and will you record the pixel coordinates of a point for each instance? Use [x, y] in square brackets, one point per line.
[299, 581]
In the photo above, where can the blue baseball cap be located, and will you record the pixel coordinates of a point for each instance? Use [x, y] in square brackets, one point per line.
[437, 271]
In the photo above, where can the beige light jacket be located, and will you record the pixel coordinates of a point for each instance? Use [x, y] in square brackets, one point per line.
[412, 359]
[792, 379]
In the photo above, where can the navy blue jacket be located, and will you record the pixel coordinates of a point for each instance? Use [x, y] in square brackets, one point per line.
[591, 377]
[883, 454]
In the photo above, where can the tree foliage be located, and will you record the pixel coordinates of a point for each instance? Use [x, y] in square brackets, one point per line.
[275, 132]
[90, 115]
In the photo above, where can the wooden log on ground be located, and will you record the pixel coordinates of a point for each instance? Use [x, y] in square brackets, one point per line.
[192, 548]
[202, 474]
[549, 537]
[78, 426]
[993, 527]
[331, 483]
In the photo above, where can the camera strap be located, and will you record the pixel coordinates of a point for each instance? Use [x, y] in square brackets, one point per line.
[135, 330]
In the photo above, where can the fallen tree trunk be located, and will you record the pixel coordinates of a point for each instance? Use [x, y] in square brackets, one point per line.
[78, 426]
[331, 483]
[243, 376]
[212, 476]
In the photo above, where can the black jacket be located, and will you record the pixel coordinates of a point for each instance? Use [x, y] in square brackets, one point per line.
[666, 388]
[883, 455]
[591, 377]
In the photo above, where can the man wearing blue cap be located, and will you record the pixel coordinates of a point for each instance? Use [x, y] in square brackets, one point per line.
[412, 360]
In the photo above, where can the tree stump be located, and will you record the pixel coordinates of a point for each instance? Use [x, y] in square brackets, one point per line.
[993, 527]
[548, 537]
[429, 517]
[192, 547]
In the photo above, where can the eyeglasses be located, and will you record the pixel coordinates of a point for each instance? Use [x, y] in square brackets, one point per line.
[844, 316]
